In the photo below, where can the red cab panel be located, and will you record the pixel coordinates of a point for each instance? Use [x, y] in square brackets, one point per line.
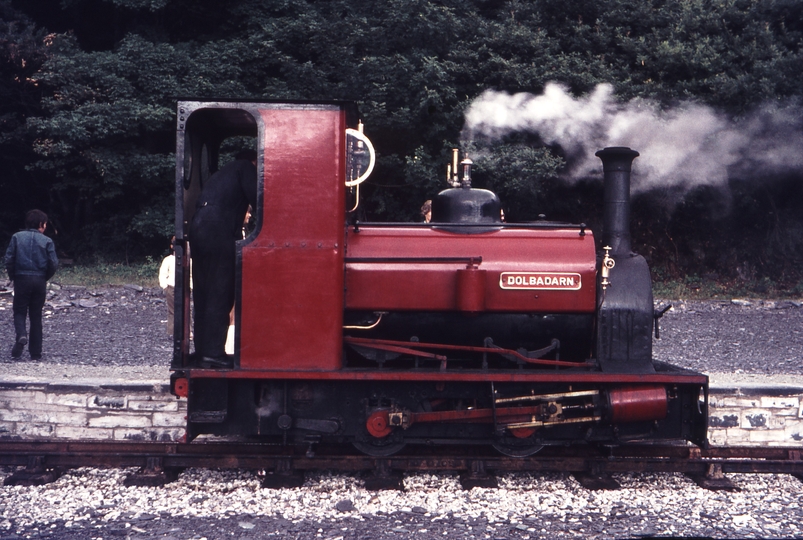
[292, 269]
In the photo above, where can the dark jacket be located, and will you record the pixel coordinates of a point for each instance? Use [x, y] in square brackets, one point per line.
[31, 253]
[226, 195]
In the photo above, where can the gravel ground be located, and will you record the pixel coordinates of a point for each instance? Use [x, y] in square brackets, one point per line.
[89, 503]
[739, 336]
[118, 333]
[107, 333]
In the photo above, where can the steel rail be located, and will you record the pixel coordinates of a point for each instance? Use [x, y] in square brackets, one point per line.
[227, 455]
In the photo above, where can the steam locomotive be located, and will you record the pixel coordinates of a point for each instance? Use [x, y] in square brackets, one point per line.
[465, 330]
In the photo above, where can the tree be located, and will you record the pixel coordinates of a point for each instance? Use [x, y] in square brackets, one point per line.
[21, 55]
[103, 129]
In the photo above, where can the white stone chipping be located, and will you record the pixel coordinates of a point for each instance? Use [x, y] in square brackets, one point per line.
[658, 504]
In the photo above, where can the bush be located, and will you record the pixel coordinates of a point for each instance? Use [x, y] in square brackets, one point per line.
[145, 274]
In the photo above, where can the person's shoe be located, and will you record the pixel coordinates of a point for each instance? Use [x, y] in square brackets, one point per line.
[16, 350]
[219, 362]
[39, 357]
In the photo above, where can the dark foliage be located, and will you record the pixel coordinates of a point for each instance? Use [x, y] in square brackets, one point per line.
[21, 55]
[88, 89]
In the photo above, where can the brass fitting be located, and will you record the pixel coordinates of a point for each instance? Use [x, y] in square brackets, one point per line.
[607, 264]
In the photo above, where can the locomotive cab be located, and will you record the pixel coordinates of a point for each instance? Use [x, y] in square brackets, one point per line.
[201, 131]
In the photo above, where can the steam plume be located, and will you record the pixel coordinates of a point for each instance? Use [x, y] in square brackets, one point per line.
[686, 146]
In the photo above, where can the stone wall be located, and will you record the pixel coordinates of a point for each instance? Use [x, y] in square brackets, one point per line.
[755, 417]
[132, 412]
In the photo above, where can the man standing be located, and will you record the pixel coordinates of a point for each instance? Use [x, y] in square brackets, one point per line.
[30, 261]
[167, 281]
[215, 227]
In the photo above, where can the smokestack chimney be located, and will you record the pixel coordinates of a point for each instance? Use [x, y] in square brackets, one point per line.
[616, 163]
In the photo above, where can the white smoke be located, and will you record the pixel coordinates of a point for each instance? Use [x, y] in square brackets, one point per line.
[686, 146]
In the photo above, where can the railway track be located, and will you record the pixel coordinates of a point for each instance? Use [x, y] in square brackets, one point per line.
[159, 463]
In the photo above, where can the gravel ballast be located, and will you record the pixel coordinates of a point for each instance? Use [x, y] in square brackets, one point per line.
[88, 503]
[115, 333]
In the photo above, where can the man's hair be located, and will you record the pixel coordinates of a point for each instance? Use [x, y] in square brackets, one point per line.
[34, 218]
[426, 207]
[247, 154]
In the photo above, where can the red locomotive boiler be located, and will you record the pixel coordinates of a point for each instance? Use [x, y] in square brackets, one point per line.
[464, 330]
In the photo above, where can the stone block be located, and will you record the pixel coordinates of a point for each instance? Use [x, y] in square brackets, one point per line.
[715, 400]
[777, 422]
[790, 412]
[136, 404]
[737, 435]
[755, 419]
[71, 432]
[741, 402]
[169, 420]
[7, 429]
[25, 396]
[111, 401]
[718, 437]
[22, 416]
[35, 430]
[780, 402]
[46, 407]
[41, 407]
[120, 421]
[723, 421]
[786, 422]
[68, 400]
[155, 434]
[774, 436]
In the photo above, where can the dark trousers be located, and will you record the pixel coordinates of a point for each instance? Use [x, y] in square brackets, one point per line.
[29, 299]
[170, 296]
[213, 265]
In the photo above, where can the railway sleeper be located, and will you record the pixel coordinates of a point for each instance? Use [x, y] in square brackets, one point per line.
[714, 479]
[478, 476]
[596, 478]
[283, 476]
[153, 474]
[383, 477]
[35, 473]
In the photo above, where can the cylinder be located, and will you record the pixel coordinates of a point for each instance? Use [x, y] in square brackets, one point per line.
[616, 165]
[637, 403]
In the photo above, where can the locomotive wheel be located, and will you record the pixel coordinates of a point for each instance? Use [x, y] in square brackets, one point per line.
[380, 442]
[516, 447]
[378, 448]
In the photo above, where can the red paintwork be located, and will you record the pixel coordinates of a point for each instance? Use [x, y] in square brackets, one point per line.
[408, 347]
[638, 403]
[404, 285]
[470, 289]
[378, 425]
[291, 313]
[294, 283]
[506, 414]
[182, 387]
